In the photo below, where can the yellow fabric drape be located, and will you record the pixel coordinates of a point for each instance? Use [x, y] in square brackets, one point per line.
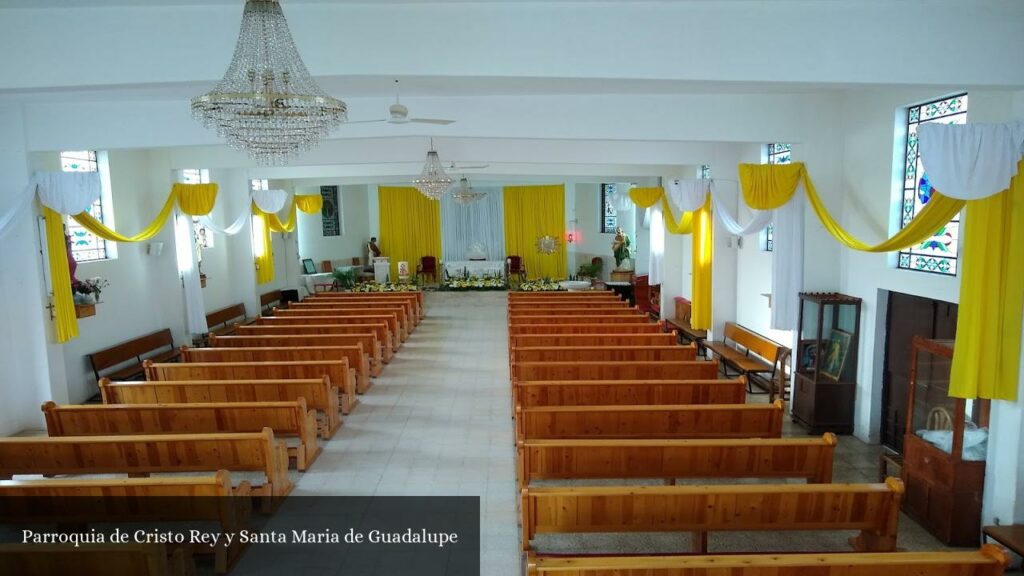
[703, 258]
[263, 247]
[309, 203]
[532, 212]
[65, 321]
[768, 186]
[195, 199]
[274, 223]
[410, 227]
[647, 197]
[152, 229]
[986, 358]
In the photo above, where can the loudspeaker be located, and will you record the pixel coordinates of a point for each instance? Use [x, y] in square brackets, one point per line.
[155, 248]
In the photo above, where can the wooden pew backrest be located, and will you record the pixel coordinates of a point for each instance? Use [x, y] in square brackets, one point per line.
[631, 392]
[270, 299]
[659, 370]
[131, 351]
[224, 316]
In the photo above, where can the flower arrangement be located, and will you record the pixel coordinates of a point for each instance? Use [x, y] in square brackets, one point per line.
[345, 279]
[385, 287]
[88, 291]
[476, 283]
[542, 285]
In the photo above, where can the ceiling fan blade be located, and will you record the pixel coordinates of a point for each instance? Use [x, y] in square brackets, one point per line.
[457, 167]
[431, 121]
[363, 121]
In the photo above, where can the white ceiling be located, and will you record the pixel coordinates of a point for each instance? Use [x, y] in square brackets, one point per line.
[22, 4]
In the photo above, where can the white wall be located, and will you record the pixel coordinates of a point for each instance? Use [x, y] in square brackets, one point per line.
[353, 201]
[592, 243]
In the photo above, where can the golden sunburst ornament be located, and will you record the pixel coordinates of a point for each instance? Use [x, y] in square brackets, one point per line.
[547, 244]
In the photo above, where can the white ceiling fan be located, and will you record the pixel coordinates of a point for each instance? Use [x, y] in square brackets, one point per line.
[399, 114]
[453, 167]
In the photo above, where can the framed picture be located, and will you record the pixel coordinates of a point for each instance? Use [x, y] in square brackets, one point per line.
[835, 354]
[808, 357]
[308, 267]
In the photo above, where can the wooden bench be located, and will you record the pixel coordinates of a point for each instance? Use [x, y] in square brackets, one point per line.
[88, 502]
[672, 352]
[874, 509]
[408, 307]
[583, 328]
[630, 392]
[989, 561]
[370, 344]
[223, 321]
[809, 459]
[357, 359]
[754, 356]
[269, 300]
[608, 339]
[654, 421]
[151, 454]
[602, 318]
[158, 346]
[286, 419]
[415, 297]
[340, 376]
[544, 310]
[518, 294]
[393, 318]
[379, 330]
[317, 393]
[681, 323]
[96, 559]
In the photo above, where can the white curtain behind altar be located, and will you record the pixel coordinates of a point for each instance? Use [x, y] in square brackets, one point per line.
[482, 222]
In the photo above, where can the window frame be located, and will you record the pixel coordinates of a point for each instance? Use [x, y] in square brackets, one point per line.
[775, 153]
[95, 161]
[608, 191]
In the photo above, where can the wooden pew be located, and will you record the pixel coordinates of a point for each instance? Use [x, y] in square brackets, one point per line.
[395, 317]
[573, 310]
[370, 344]
[88, 502]
[223, 321]
[651, 421]
[990, 560]
[390, 321]
[518, 294]
[631, 318]
[626, 370]
[583, 328]
[874, 509]
[269, 300]
[158, 346]
[95, 560]
[286, 419]
[592, 303]
[380, 331]
[648, 353]
[408, 307]
[337, 371]
[151, 454]
[809, 459]
[681, 322]
[533, 394]
[317, 393]
[357, 359]
[414, 297]
[752, 355]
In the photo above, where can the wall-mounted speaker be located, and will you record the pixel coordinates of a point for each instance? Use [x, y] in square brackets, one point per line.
[155, 248]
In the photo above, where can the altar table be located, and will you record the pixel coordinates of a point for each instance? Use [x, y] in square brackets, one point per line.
[459, 268]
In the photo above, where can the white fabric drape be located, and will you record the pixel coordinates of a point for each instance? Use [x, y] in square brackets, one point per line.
[656, 255]
[788, 262]
[270, 201]
[184, 246]
[67, 192]
[234, 228]
[686, 195]
[760, 220]
[482, 222]
[21, 204]
[970, 161]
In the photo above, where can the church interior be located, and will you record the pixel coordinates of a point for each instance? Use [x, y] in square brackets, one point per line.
[656, 288]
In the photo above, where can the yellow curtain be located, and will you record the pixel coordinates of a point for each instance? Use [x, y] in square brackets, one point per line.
[263, 248]
[152, 229]
[986, 359]
[410, 227]
[65, 321]
[274, 223]
[703, 258]
[768, 186]
[530, 213]
[309, 203]
[195, 199]
[647, 197]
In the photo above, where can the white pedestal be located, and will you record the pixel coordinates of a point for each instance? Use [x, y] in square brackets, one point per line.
[381, 269]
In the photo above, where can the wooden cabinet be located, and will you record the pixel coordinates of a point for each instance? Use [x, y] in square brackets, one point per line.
[943, 449]
[825, 384]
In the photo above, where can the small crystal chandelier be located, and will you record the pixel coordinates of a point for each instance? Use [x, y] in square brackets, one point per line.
[433, 181]
[267, 104]
[465, 194]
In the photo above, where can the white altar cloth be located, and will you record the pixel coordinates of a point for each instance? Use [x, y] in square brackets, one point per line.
[458, 268]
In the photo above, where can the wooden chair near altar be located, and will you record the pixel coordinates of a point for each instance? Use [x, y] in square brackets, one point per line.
[514, 267]
[427, 267]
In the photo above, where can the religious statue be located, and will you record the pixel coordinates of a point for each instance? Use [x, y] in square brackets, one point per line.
[620, 249]
[72, 263]
[372, 248]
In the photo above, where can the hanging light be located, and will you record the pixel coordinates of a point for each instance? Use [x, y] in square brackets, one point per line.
[267, 104]
[433, 181]
[465, 194]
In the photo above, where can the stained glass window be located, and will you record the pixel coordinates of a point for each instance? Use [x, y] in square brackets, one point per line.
[705, 172]
[84, 246]
[937, 254]
[609, 216]
[202, 235]
[263, 184]
[778, 153]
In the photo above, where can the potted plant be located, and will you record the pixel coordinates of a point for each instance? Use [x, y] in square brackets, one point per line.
[344, 279]
[86, 294]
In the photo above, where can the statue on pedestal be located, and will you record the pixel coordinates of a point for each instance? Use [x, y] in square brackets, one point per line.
[620, 249]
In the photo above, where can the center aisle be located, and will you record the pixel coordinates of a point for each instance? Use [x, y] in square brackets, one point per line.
[436, 422]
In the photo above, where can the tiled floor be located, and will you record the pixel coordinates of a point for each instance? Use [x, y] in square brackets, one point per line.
[437, 422]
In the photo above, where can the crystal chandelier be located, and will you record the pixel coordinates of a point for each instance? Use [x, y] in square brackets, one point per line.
[465, 194]
[433, 181]
[267, 104]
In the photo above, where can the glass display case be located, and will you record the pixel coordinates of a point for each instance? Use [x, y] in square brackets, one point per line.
[944, 448]
[825, 363]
